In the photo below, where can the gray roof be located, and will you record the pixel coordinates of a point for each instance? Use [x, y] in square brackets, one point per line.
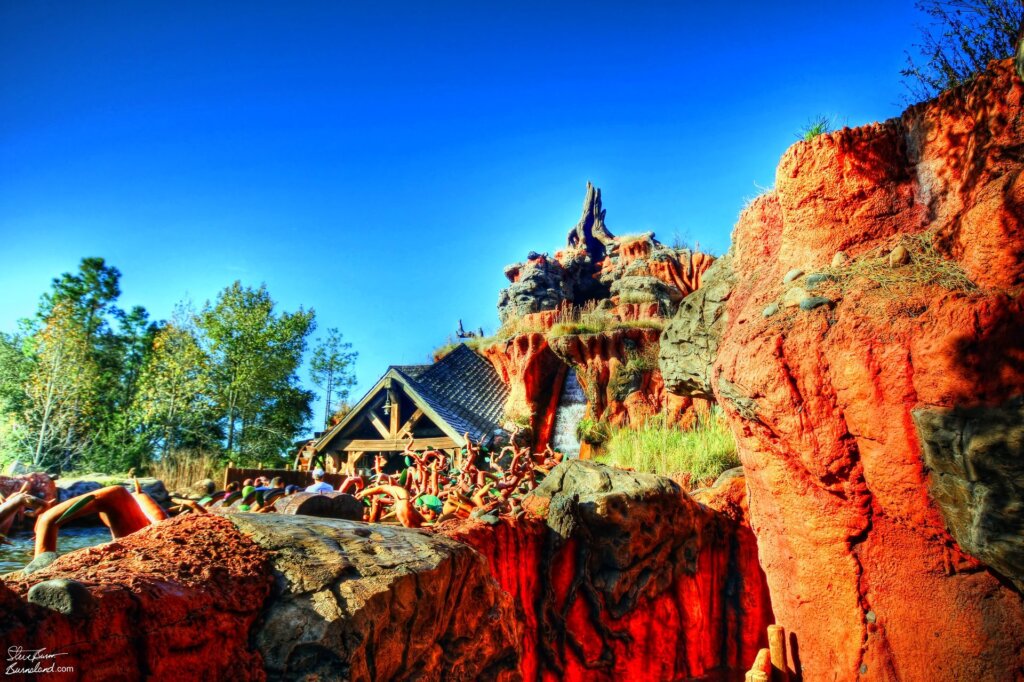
[411, 371]
[463, 389]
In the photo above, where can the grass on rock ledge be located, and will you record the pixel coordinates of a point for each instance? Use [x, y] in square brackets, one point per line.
[704, 452]
[568, 320]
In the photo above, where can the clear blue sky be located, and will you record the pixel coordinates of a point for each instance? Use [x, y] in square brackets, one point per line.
[382, 162]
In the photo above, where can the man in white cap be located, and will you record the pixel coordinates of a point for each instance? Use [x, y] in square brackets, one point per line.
[318, 483]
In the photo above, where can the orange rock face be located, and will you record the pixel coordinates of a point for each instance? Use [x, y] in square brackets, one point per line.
[534, 375]
[706, 622]
[616, 390]
[177, 599]
[828, 398]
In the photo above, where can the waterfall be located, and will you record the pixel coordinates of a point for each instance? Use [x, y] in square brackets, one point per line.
[571, 406]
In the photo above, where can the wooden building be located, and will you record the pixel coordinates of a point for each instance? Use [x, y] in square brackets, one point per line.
[436, 404]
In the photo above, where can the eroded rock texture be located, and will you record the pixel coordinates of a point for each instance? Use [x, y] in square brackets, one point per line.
[689, 343]
[635, 276]
[976, 456]
[884, 547]
[618, 372]
[622, 576]
[356, 601]
[175, 601]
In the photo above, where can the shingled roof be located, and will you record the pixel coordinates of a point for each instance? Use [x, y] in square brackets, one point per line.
[463, 389]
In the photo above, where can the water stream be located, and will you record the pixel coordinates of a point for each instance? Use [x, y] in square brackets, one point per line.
[571, 407]
[14, 556]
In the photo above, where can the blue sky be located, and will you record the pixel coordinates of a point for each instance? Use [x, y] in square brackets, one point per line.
[382, 162]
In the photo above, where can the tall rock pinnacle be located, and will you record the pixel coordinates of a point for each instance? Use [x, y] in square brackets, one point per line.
[591, 232]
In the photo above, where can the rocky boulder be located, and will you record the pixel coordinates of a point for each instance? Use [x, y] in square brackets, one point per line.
[357, 601]
[537, 284]
[620, 575]
[689, 344]
[976, 456]
[173, 601]
[639, 530]
[80, 485]
[325, 505]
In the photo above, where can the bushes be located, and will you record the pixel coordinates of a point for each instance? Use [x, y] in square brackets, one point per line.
[964, 36]
[703, 452]
[593, 431]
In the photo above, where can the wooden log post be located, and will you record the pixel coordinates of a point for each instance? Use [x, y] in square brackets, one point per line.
[777, 651]
[762, 669]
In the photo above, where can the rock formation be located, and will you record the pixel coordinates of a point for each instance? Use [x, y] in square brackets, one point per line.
[73, 487]
[613, 294]
[253, 597]
[608, 575]
[175, 600]
[622, 576]
[628, 274]
[878, 417]
[356, 601]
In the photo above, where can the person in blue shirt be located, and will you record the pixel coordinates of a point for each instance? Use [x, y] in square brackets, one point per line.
[318, 483]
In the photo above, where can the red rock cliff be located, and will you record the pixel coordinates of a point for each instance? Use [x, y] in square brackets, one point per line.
[876, 394]
[621, 576]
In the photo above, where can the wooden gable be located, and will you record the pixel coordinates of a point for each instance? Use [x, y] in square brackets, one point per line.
[383, 420]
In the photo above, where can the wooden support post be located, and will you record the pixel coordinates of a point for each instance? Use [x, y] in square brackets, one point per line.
[409, 424]
[379, 425]
[396, 420]
[777, 650]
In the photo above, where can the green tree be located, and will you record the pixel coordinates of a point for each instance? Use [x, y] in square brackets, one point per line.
[255, 356]
[117, 345]
[89, 295]
[962, 38]
[174, 388]
[331, 369]
[122, 440]
[15, 368]
[60, 391]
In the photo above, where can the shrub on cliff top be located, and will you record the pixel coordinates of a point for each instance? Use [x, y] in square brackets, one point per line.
[704, 452]
[963, 37]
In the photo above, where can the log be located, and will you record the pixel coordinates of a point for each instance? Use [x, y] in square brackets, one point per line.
[777, 652]
[324, 505]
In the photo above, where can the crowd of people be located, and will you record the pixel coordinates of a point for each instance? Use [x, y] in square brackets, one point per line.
[428, 487]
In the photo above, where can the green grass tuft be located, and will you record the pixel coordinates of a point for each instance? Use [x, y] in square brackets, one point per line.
[818, 125]
[703, 452]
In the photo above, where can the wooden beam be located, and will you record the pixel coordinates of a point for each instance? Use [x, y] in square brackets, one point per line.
[396, 445]
[379, 425]
[395, 417]
[409, 425]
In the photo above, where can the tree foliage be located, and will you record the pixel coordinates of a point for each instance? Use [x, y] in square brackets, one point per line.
[255, 355]
[175, 388]
[963, 36]
[60, 391]
[86, 384]
[331, 369]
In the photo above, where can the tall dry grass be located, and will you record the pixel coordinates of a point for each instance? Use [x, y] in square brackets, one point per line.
[182, 468]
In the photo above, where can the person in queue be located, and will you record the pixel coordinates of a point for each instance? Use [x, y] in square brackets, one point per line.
[319, 486]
